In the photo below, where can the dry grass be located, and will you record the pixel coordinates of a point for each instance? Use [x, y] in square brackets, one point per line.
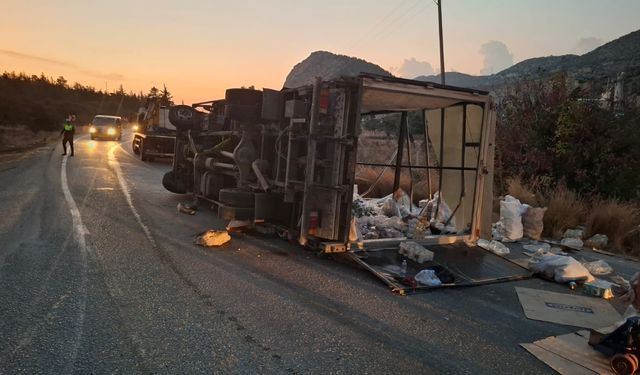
[565, 210]
[366, 176]
[523, 193]
[613, 218]
[14, 138]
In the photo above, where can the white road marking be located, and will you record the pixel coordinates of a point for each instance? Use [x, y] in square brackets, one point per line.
[125, 190]
[79, 233]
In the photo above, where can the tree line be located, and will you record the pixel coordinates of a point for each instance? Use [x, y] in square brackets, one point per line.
[42, 103]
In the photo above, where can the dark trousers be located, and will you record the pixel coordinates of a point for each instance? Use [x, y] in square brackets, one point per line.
[65, 139]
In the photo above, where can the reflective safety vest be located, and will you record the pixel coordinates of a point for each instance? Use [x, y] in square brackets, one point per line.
[68, 127]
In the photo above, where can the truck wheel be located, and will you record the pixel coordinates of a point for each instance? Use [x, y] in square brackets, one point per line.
[237, 198]
[143, 157]
[172, 184]
[623, 364]
[243, 97]
[136, 149]
[183, 117]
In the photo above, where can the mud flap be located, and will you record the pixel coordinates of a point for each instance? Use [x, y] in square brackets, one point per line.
[463, 266]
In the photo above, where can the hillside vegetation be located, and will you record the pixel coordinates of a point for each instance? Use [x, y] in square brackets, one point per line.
[42, 103]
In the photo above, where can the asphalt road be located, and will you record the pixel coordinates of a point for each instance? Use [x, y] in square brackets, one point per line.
[98, 274]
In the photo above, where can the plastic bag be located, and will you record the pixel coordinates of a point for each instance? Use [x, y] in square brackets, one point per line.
[493, 246]
[598, 267]
[545, 247]
[562, 269]
[510, 215]
[532, 222]
[428, 277]
[575, 243]
[397, 205]
[415, 252]
[442, 211]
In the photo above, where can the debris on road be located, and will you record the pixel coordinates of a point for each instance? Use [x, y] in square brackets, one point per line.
[569, 309]
[560, 268]
[573, 238]
[511, 211]
[185, 209]
[415, 252]
[628, 292]
[238, 225]
[597, 241]
[212, 238]
[598, 288]
[428, 277]
[494, 246]
[598, 267]
[570, 354]
[533, 222]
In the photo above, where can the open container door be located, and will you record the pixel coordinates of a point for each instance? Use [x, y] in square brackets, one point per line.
[458, 132]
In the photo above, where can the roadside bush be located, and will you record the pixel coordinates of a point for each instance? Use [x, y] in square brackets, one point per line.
[523, 193]
[613, 218]
[565, 209]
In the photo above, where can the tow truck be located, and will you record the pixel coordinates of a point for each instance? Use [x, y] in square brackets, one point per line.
[154, 134]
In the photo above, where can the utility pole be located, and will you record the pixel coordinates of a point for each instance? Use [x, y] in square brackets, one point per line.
[439, 2]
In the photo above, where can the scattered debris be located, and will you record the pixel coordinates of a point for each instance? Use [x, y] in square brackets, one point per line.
[598, 267]
[532, 222]
[570, 354]
[598, 288]
[397, 205]
[428, 277]
[511, 211]
[186, 209]
[211, 238]
[628, 291]
[538, 246]
[573, 233]
[597, 241]
[493, 246]
[569, 309]
[415, 252]
[560, 268]
[621, 346]
[238, 225]
[574, 243]
[439, 214]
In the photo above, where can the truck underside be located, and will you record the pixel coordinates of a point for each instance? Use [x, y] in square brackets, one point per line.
[294, 160]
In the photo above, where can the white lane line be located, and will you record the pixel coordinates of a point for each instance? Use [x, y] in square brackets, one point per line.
[127, 194]
[79, 232]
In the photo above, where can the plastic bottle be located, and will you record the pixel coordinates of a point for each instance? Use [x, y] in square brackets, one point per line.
[403, 268]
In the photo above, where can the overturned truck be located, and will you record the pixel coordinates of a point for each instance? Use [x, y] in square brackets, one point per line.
[292, 162]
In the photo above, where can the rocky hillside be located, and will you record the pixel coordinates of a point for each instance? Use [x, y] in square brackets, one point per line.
[601, 64]
[329, 66]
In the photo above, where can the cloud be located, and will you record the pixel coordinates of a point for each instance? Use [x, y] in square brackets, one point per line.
[496, 57]
[585, 45]
[412, 68]
[89, 72]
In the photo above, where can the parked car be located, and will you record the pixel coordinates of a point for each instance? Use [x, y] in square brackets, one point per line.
[103, 126]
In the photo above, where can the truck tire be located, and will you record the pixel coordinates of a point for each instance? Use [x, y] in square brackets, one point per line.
[237, 198]
[135, 148]
[183, 117]
[143, 152]
[243, 113]
[172, 184]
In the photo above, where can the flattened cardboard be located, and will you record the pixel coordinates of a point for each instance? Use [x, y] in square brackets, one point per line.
[570, 355]
[572, 310]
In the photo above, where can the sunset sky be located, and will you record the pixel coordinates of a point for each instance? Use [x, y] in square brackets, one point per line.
[198, 48]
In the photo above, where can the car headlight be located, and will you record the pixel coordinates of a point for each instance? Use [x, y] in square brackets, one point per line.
[135, 128]
[92, 129]
[111, 131]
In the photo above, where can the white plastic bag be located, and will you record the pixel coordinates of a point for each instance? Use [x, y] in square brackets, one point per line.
[493, 246]
[562, 269]
[598, 267]
[415, 252]
[442, 211]
[428, 278]
[574, 243]
[510, 215]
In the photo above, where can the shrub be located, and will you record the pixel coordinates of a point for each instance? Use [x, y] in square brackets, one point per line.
[613, 218]
[565, 210]
[523, 193]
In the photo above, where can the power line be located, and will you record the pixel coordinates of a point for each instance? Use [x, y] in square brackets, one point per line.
[377, 24]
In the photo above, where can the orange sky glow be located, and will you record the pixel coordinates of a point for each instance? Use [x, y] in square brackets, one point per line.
[198, 48]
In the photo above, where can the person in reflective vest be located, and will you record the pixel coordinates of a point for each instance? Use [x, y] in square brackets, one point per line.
[68, 130]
